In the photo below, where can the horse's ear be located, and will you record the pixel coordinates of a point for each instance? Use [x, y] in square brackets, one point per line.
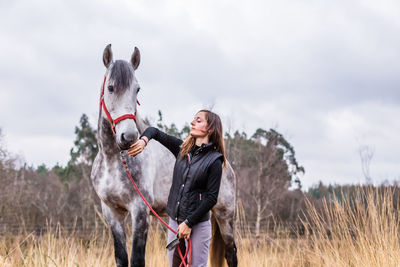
[135, 59]
[107, 56]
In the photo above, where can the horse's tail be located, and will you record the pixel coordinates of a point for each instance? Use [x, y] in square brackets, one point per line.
[217, 247]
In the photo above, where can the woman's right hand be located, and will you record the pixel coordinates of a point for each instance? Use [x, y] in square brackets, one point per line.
[137, 147]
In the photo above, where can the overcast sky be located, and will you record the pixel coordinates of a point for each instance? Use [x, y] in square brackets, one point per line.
[323, 73]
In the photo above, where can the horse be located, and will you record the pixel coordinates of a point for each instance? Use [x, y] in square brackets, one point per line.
[151, 170]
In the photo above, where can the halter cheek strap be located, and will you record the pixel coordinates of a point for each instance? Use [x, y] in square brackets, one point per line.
[110, 119]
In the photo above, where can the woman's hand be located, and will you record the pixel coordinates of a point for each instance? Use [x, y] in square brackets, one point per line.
[184, 231]
[137, 147]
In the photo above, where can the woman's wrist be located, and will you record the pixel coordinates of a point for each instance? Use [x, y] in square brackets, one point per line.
[144, 139]
[188, 223]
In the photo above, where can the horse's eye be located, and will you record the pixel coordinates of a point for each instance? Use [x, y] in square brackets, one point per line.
[111, 88]
[138, 90]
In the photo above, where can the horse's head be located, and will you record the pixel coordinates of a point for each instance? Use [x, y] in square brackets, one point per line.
[119, 93]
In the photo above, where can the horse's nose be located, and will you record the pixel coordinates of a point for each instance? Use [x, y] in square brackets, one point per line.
[128, 137]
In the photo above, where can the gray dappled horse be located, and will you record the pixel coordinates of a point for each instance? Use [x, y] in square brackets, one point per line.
[151, 170]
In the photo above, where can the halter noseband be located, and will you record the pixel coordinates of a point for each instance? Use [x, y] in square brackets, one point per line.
[121, 118]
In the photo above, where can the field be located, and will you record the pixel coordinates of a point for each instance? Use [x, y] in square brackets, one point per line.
[363, 231]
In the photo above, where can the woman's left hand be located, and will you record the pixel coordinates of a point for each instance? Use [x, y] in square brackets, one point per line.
[137, 147]
[184, 231]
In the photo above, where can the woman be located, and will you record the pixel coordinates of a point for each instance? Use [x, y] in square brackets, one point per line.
[196, 180]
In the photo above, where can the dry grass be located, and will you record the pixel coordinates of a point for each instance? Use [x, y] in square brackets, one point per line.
[57, 249]
[365, 235]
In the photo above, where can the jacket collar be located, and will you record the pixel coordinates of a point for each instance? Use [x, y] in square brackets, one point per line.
[204, 147]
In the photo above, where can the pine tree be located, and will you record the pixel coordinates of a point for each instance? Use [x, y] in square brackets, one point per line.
[86, 147]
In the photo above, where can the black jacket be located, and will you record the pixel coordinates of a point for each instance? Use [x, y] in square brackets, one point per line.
[196, 179]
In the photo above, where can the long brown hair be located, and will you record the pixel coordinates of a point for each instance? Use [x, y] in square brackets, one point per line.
[214, 124]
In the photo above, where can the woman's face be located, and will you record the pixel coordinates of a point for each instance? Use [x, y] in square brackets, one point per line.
[199, 125]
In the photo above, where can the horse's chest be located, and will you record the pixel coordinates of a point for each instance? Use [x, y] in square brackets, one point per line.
[110, 186]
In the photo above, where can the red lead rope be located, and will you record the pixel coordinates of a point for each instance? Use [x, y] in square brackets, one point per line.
[183, 258]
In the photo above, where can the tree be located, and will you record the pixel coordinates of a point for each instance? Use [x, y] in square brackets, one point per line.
[42, 169]
[275, 168]
[86, 147]
[3, 152]
[285, 150]
[366, 155]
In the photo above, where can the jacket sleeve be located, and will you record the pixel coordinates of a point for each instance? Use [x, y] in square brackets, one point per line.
[210, 197]
[169, 141]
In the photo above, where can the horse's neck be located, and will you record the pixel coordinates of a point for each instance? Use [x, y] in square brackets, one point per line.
[106, 138]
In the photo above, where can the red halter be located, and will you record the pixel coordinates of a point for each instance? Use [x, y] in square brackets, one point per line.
[121, 118]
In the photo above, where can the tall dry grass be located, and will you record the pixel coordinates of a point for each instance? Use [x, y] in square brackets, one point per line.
[58, 248]
[363, 231]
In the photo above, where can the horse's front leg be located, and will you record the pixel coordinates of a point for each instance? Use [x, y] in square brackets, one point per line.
[140, 226]
[115, 220]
